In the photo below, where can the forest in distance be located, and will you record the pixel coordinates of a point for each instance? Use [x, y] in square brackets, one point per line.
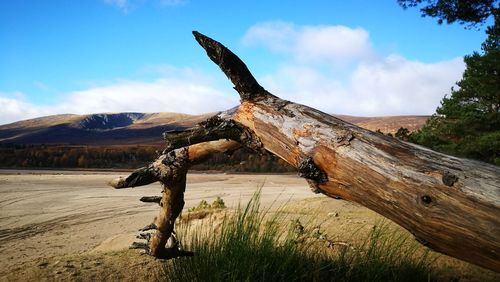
[54, 156]
[125, 157]
[72, 156]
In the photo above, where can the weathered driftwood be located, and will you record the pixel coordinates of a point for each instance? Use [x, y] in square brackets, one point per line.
[451, 205]
[171, 168]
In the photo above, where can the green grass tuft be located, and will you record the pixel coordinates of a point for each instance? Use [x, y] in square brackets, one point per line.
[250, 245]
[218, 203]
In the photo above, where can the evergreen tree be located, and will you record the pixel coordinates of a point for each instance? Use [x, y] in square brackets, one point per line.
[469, 12]
[467, 123]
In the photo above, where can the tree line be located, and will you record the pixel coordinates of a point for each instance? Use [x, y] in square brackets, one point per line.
[125, 157]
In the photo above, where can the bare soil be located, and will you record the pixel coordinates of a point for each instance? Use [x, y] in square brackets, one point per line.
[70, 226]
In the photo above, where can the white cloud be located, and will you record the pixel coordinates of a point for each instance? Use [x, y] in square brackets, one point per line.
[41, 86]
[127, 5]
[392, 86]
[183, 91]
[162, 95]
[371, 84]
[396, 85]
[15, 107]
[172, 3]
[276, 35]
[312, 44]
[337, 43]
[123, 5]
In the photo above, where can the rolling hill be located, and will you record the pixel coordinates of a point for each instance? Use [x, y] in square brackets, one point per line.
[97, 129]
[144, 128]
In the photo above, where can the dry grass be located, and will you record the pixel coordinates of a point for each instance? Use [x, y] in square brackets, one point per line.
[250, 245]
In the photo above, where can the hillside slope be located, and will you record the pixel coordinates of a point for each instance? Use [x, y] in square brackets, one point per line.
[97, 129]
[144, 128]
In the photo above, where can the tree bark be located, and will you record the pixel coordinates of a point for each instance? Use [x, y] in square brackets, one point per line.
[451, 205]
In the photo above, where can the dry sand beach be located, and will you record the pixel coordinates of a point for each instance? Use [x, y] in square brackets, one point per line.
[46, 214]
[69, 225]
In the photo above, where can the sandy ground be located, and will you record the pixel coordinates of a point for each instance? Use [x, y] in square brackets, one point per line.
[52, 213]
[69, 225]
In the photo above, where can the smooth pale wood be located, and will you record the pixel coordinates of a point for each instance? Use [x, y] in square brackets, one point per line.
[200, 152]
[451, 205]
[391, 177]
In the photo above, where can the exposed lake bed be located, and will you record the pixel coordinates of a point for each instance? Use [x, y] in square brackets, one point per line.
[69, 225]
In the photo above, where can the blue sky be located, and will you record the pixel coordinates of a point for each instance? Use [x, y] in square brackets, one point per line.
[348, 57]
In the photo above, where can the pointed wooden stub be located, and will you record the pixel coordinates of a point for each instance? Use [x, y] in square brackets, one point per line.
[234, 68]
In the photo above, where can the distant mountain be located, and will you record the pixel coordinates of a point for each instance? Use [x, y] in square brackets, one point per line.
[144, 128]
[97, 129]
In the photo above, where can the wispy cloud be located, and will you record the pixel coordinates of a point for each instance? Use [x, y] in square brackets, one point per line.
[127, 5]
[391, 86]
[178, 90]
[15, 107]
[172, 3]
[123, 5]
[311, 44]
[369, 84]
[162, 95]
[41, 86]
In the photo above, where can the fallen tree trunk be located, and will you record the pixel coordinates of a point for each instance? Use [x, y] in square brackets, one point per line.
[451, 205]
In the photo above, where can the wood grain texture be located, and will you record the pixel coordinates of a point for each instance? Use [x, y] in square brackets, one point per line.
[451, 205]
